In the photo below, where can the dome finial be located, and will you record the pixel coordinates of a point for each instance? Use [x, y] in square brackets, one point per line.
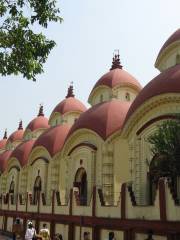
[5, 134]
[70, 91]
[20, 125]
[116, 61]
[41, 113]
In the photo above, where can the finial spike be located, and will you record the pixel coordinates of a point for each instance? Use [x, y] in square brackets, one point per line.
[41, 113]
[5, 134]
[70, 91]
[116, 60]
[20, 125]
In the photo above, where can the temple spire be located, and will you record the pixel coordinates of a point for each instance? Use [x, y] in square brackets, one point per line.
[20, 125]
[5, 134]
[70, 91]
[41, 113]
[116, 61]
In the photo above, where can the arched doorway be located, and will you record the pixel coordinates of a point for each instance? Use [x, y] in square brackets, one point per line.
[81, 183]
[11, 191]
[37, 189]
[159, 167]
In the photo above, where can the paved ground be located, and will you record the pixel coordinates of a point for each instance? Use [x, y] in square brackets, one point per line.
[2, 237]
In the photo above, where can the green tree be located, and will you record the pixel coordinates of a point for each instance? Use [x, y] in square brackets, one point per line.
[22, 49]
[166, 147]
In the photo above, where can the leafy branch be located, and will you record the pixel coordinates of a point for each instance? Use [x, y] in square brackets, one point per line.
[21, 49]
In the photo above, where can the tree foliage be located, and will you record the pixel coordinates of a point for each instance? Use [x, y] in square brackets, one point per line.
[22, 49]
[166, 146]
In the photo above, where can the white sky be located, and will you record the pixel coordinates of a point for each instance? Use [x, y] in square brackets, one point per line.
[91, 30]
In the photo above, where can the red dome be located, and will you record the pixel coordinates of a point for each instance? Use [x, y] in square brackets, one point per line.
[37, 123]
[117, 77]
[69, 104]
[173, 38]
[3, 160]
[22, 151]
[3, 143]
[53, 139]
[17, 135]
[103, 118]
[166, 82]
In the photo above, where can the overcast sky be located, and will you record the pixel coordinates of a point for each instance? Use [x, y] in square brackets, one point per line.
[91, 30]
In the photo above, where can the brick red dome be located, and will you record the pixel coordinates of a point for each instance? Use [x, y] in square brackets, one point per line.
[22, 151]
[69, 104]
[166, 82]
[38, 123]
[3, 159]
[117, 77]
[17, 135]
[53, 139]
[103, 118]
[173, 38]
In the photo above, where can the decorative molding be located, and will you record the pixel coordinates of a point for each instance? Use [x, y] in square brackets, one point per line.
[83, 144]
[156, 119]
[40, 158]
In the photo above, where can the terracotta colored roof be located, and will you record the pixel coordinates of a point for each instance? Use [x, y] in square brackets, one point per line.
[117, 77]
[103, 118]
[17, 135]
[22, 151]
[69, 104]
[166, 82]
[38, 122]
[3, 159]
[173, 38]
[53, 139]
[3, 143]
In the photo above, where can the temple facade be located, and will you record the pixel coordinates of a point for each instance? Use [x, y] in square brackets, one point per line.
[87, 173]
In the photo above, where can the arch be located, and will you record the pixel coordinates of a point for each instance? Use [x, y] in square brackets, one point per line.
[37, 189]
[83, 144]
[12, 187]
[40, 158]
[80, 182]
[12, 191]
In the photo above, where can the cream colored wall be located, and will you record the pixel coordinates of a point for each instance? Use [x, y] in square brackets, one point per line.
[28, 135]
[12, 145]
[119, 235]
[167, 58]
[33, 173]
[104, 93]
[1, 222]
[101, 94]
[45, 170]
[9, 224]
[86, 155]
[140, 155]
[10, 173]
[55, 119]
[62, 229]
[68, 118]
[3, 183]
[121, 164]
[120, 93]
[91, 160]
[141, 236]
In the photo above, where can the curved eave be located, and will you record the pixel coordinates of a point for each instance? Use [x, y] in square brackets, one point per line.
[164, 52]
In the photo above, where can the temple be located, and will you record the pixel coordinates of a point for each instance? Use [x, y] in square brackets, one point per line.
[89, 173]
